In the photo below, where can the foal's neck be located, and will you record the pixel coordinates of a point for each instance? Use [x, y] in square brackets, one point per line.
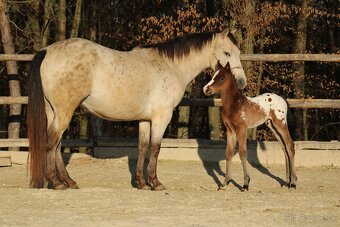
[231, 96]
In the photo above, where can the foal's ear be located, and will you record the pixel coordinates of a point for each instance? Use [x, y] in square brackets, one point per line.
[218, 65]
[227, 66]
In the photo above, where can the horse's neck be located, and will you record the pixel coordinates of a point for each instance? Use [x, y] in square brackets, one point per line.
[188, 67]
[231, 97]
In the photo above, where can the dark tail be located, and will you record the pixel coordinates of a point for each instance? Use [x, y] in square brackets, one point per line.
[36, 123]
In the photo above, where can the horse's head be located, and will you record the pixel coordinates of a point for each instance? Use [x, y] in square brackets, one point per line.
[220, 81]
[226, 50]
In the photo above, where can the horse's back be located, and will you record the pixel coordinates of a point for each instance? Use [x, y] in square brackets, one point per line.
[111, 84]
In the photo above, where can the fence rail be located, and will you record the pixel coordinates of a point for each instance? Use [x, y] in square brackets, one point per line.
[293, 103]
[244, 57]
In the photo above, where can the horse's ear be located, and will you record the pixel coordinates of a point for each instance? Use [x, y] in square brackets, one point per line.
[225, 31]
[218, 65]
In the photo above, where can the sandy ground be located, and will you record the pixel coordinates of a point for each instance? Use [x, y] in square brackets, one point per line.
[107, 197]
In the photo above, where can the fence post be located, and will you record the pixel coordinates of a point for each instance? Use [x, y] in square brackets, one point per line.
[12, 71]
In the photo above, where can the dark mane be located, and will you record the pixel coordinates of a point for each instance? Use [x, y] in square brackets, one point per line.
[181, 46]
[233, 39]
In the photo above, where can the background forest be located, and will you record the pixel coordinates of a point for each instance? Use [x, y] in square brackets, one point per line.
[289, 26]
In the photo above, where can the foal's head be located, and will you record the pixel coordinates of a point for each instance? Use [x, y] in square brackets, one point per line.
[221, 80]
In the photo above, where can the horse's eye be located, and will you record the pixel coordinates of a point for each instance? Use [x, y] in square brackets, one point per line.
[221, 78]
[227, 53]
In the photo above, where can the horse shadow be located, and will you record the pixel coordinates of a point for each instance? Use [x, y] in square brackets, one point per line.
[214, 170]
[212, 167]
[127, 147]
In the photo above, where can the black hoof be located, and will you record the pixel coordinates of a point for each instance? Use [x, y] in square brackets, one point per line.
[245, 188]
[292, 186]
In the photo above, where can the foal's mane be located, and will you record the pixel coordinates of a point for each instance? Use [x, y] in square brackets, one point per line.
[181, 46]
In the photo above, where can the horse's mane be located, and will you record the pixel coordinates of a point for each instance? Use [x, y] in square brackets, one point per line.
[233, 39]
[181, 46]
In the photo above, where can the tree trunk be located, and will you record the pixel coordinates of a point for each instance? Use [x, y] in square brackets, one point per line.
[76, 19]
[249, 49]
[301, 130]
[12, 71]
[48, 11]
[33, 20]
[62, 20]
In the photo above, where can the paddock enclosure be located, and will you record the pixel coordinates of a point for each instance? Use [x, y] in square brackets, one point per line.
[107, 196]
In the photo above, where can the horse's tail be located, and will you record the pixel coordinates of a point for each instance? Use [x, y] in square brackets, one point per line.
[36, 123]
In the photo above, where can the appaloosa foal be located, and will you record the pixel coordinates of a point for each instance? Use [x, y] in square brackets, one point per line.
[240, 113]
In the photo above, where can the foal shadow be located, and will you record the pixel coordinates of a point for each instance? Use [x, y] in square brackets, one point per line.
[214, 170]
[255, 162]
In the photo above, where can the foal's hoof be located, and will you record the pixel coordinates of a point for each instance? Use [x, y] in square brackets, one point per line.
[290, 185]
[245, 188]
[222, 187]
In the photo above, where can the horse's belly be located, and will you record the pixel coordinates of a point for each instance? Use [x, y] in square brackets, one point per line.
[117, 110]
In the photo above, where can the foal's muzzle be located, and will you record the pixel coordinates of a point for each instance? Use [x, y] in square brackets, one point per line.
[207, 91]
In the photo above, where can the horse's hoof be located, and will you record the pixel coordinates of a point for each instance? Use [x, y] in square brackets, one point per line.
[159, 187]
[145, 187]
[60, 187]
[245, 188]
[73, 186]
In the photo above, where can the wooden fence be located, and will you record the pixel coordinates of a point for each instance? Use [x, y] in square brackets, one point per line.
[293, 103]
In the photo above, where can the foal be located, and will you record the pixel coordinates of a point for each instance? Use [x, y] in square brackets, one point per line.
[240, 113]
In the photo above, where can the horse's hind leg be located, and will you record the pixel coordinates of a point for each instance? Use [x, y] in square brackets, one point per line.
[281, 133]
[55, 131]
[242, 143]
[143, 146]
[63, 174]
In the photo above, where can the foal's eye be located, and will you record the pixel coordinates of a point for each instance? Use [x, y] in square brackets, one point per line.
[227, 53]
[221, 78]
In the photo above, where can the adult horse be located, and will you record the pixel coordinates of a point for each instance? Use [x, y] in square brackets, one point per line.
[143, 84]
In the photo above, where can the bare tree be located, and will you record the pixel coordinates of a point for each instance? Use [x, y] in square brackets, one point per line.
[76, 19]
[61, 20]
[301, 130]
[12, 71]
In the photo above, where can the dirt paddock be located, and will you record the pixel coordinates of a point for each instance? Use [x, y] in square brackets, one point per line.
[107, 198]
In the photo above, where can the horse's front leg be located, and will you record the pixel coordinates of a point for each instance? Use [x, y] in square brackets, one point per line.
[242, 142]
[143, 146]
[160, 120]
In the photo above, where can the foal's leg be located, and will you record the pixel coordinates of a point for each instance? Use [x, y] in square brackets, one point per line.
[229, 153]
[281, 133]
[242, 143]
[160, 120]
[143, 146]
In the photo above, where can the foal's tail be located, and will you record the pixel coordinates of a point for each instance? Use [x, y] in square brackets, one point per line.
[36, 123]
